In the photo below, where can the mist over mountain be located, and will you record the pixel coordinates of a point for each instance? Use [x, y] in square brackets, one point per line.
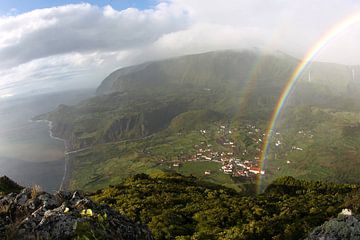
[151, 114]
[231, 68]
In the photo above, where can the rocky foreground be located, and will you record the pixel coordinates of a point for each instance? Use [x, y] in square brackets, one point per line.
[342, 227]
[33, 214]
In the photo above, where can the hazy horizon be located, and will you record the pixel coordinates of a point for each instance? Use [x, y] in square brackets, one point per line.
[70, 44]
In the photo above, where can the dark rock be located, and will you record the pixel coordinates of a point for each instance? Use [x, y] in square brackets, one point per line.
[341, 228]
[7, 186]
[64, 215]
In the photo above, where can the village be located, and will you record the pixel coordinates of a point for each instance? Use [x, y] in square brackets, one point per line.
[235, 160]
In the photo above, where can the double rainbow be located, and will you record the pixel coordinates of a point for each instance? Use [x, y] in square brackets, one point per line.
[335, 31]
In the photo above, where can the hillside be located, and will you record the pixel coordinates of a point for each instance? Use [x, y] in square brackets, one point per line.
[200, 113]
[317, 143]
[7, 186]
[172, 206]
[178, 207]
[223, 69]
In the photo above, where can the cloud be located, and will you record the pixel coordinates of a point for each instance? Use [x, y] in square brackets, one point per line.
[289, 26]
[200, 38]
[79, 44]
[60, 72]
[81, 36]
[82, 28]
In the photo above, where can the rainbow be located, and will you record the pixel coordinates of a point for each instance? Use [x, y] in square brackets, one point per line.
[313, 52]
[249, 85]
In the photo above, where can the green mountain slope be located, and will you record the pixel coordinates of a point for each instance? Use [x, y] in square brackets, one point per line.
[317, 143]
[224, 69]
[176, 114]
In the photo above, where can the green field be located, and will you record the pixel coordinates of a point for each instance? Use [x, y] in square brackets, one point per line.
[216, 176]
[110, 163]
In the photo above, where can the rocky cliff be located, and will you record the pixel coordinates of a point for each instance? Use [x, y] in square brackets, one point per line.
[113, 118]
[33, 214]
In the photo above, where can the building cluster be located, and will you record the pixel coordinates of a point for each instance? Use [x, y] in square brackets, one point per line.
[235, 161]
[238, 158]
[305, 133]
[238, 168]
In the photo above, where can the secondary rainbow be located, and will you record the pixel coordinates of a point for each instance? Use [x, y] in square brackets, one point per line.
[305, 62]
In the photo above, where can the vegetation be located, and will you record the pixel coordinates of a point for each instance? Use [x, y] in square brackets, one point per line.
[329, 144]
[178, 207]
[7, 186]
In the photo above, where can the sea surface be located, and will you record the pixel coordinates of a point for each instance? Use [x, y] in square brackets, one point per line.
[28, 154]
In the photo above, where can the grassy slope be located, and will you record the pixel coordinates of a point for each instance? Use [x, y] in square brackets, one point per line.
[332, 153]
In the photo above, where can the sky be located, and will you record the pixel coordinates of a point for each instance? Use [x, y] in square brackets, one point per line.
[64, 44]
[11, 7]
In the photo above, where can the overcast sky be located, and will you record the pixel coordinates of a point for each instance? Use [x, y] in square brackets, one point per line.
[68, 44]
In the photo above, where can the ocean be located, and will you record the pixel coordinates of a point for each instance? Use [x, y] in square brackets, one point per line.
[28, 154]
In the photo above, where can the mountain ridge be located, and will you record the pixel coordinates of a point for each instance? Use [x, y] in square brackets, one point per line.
[115, 81]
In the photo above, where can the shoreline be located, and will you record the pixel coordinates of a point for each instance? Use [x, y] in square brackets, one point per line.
[65, 179]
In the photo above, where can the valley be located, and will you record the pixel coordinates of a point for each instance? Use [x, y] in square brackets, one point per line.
[211, 124]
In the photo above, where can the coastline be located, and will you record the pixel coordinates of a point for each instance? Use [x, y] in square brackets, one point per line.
[66, 177]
